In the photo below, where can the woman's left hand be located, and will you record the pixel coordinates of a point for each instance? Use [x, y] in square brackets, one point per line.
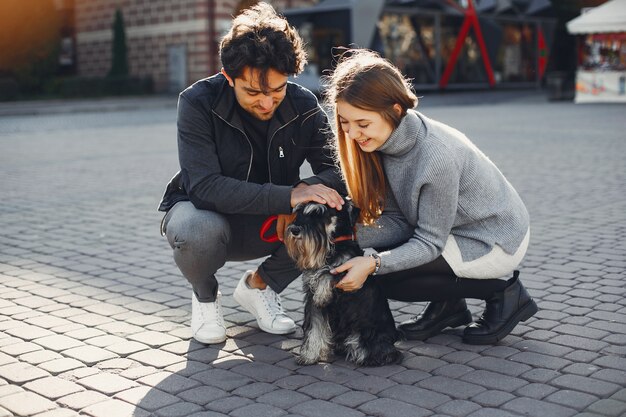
[358, 269]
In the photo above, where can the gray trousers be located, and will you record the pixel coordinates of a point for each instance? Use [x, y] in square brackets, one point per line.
[204, 240]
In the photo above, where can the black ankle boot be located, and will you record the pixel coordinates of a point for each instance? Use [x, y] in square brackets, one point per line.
[503, 311]
[436, 316]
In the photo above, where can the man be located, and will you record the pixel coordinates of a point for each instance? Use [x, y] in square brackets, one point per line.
[242, 136]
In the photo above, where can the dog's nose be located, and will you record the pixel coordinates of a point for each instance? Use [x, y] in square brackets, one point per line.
[295, 230]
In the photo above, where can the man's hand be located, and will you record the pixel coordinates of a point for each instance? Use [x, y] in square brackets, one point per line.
[282, 222]
[319, 193]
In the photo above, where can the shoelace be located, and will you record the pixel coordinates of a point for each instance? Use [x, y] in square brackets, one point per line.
[206, 315]
[272, 303]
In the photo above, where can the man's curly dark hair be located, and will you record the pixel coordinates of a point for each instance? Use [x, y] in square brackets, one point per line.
[262, 39]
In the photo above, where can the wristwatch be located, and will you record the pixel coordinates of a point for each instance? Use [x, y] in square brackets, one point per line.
[377, 261]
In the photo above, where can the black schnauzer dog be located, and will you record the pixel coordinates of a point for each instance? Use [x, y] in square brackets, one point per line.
[356, 324]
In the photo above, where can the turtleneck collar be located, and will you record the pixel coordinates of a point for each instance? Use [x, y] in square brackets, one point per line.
[404, 137]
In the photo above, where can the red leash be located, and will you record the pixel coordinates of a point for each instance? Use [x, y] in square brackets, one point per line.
[265, 227]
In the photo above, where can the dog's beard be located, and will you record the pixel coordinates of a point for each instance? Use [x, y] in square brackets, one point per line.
[309, 252]
[310, 249]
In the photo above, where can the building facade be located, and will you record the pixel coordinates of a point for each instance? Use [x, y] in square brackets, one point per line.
[173, 42]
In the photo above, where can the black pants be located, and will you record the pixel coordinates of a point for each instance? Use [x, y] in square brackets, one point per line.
[435, 281]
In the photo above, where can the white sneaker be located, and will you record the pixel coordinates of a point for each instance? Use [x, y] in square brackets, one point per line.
[265, 306]
[207, 321]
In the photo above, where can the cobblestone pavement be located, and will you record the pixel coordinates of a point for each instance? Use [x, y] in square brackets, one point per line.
[94, 314]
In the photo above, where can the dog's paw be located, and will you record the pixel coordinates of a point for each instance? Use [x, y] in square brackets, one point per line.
[305, 360]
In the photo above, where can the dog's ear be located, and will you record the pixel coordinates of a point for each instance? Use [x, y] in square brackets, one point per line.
[353, 211]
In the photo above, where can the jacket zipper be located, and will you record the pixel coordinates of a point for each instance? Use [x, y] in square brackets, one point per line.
[281, 153]
[249, 143]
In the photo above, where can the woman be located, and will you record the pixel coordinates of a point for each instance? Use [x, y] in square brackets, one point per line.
[446, 223]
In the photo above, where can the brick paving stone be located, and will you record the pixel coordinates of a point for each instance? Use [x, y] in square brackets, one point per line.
[353, 399]
[26, 403]
[611, 375]
[82, 399]
[20, 348]
[59, 412]
[493, 380]
[574, 399]
[58, 342]
[507, 367]
[492, 398]
[89, 355]
[115, 408]
[156, 358]
[423, 363]
[126, 348]
[181, 409]
[256, 410]
[168, 382]
[107, 383]
[53, 387]
[371, 384]
[532, 407]
[584, 384]
[228, 404]
[6, 390]
[323, 390]
[608, 407]
[385, 407]
[147, 398]
[229, 380]
[39, 356]
[58, 366]
[19, 372]
[540, 360]
[202, 394]
[453, 387]
[120, 328]
[28, 332]
[261, 372]
[104, 341]
[458, 408]
[255, 390]
[319, 408]
[453, 370]
[535, 390]
[293, 382]
[153, 339]
[416, 396]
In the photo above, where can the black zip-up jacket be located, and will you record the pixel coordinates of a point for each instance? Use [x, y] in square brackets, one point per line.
[215, 154]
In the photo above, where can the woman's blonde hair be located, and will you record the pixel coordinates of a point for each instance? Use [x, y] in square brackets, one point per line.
[365, 80]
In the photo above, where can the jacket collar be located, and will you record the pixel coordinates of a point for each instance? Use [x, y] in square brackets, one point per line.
[405, 136]
[226, 108]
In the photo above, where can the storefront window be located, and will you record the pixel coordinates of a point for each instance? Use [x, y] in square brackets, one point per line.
[516, 58]
[409, 42]
[605, 51]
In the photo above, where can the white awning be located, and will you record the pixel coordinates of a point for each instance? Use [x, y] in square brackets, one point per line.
[609, 17]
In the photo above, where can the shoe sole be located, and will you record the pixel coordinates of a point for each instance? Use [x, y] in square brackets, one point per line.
[524, 313]
[265, 329]
[210, 341]
[459, 319]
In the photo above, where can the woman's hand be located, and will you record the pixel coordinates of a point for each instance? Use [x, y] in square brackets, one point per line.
[358, 269]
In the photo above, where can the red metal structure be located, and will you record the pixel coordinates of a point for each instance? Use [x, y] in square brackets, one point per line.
[470, 21]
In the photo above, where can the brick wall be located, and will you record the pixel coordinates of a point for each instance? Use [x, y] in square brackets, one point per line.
[152, 26]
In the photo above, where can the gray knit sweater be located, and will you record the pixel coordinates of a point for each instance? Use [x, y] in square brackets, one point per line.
[439, 183]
